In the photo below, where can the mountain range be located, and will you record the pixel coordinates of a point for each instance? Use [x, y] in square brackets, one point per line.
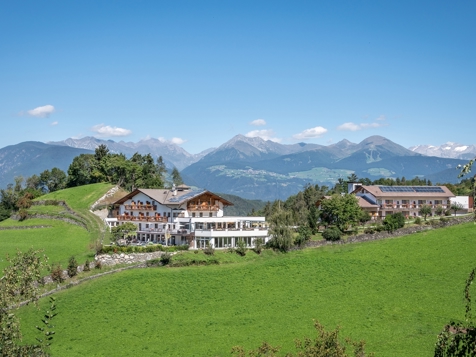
[254, 168]
[449, 150]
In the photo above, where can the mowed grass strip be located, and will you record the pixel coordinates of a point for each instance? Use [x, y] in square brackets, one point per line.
[396, 294]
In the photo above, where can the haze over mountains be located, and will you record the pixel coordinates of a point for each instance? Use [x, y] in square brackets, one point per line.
[252, 167]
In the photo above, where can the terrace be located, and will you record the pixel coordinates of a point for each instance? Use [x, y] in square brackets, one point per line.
[142, 218]
[203, 207]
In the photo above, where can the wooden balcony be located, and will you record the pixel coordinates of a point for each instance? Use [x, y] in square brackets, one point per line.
[203, 207]
[130, 218]
[140, 207]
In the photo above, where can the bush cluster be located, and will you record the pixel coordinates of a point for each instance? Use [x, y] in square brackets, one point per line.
[72, 267]
[393, 222]
[57, 273]
[332, 234]
[141, 249]
[210, 260]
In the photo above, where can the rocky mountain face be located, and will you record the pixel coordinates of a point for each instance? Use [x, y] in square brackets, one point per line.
[448, 150]
[173, 155]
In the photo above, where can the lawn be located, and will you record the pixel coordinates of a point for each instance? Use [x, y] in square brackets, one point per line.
[79, 198]
[60, 240]
[396, 294]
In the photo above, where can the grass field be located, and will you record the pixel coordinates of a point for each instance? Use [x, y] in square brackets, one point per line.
[396, 294]
[61, 240]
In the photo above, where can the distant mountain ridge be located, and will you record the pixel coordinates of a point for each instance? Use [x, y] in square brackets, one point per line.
[251, 168]
[258, 169]
[33, 157]
[172, 154]
[448, 150]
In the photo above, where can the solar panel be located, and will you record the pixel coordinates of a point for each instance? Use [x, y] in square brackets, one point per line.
[428, 189]
[420, 189]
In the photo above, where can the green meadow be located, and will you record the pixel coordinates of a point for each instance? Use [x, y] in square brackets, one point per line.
[395, 294]
[59, 240]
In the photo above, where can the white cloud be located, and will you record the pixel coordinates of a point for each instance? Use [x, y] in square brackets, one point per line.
[258, 122]
[107, 131]
[371, 125]
[349, 126]
[54, 123]
[355, 127]
[265, 134]
[382, 117]
[176, 141]
[316, 132]
[42, 112]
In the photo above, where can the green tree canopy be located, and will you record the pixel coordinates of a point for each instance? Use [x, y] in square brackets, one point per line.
[340, 210]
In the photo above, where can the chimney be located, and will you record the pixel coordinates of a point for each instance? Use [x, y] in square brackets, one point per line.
[351, 186]
[174, 190]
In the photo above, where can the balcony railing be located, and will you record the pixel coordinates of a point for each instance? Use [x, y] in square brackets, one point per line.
[409, 206]
[142, 218]
[203, 207]
[141, 207]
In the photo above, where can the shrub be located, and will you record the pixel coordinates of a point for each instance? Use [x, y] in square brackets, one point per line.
[380, 228]
[98, 265]
[22, 214]
[304, 234]
[72, 267]
[434, 223]
[259, 245]
[195, 252]
[369, 230]
[418, 220]
[86, 265]
[153, 263]
[394, 221]
[443, 219]
[165, 258]
[332, 234]
[230, 250]
[57, 273]
[209, 250]
[241, 247]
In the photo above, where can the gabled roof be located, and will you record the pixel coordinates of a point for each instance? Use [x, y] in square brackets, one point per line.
[168, 198]
[365, 204]
[380, 191]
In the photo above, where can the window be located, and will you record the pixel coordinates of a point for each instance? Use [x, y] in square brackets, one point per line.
[210, 214]
[201, 214]
[193, 214]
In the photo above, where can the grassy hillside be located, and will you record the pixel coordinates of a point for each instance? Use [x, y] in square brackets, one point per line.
[396, 294]
[79, 198]
[59, 240]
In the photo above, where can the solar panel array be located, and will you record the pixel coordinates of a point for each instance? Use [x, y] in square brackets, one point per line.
[184, 197]
[416, 189]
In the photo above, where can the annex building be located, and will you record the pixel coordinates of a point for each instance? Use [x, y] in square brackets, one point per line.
[183, 216]
[380, 201]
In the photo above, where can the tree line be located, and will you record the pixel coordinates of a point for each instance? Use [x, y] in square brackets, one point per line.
[102, 166]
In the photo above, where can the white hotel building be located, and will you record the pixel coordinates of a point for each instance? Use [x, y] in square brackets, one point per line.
[184, 216]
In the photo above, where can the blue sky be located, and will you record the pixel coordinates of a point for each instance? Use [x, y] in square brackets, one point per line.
[199, 72]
